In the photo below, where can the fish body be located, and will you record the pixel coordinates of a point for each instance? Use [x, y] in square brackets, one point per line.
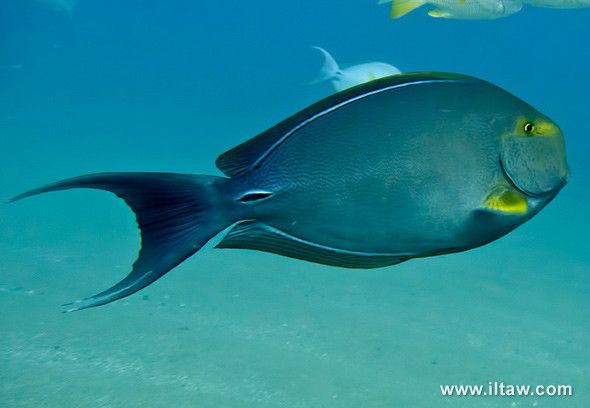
[403, 167]
[343, 78]
[459, 9]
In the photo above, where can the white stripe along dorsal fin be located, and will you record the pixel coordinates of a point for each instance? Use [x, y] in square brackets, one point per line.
[251, 153]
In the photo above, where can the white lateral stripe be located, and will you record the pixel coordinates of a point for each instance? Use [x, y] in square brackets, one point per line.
[341, 104]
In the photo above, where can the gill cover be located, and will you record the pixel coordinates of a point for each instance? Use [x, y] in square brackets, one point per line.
[535, 164]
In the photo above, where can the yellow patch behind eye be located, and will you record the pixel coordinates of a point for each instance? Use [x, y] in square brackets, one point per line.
[540, 127]
[544, 128]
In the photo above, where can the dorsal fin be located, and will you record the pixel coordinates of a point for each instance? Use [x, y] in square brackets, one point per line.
[250, 154]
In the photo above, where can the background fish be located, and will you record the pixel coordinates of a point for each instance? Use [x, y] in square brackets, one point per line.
[407, 166]
[62, 6]
[342, 78]
[560, 3]
[462, 9]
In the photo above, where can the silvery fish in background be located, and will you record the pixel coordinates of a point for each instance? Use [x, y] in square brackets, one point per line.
[564, 4]
[407, 166]
[343, 78]
[62, 6]
[461, 9]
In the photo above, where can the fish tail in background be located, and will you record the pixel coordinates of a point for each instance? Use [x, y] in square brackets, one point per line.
[400, 8]
[329, 70]
[176, 214]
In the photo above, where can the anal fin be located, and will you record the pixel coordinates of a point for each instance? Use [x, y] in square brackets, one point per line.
[262, 237]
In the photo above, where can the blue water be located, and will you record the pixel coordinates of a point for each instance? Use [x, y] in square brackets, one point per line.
[169, 85]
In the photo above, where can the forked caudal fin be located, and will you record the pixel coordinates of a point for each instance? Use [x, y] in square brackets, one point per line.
[329, 70]
[176, 214]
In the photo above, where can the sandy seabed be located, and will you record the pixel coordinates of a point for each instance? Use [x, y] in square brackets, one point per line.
[243, 329]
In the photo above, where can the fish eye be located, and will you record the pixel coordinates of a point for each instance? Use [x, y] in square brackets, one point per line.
[529, 127]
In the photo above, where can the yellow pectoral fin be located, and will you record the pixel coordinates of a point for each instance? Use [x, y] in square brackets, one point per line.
[506, 201]
[437, 13]
[402, 7]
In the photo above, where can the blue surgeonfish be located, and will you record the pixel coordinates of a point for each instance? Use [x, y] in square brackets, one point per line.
[406, 166]
[342, 78]
[461, 9]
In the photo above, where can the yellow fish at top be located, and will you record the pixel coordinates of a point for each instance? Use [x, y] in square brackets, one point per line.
[477, 9]
[461, 9]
